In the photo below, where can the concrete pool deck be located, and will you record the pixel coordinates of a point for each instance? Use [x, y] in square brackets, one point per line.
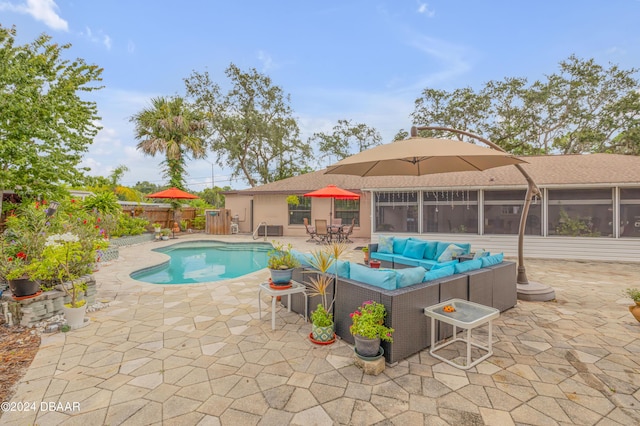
[198, 354]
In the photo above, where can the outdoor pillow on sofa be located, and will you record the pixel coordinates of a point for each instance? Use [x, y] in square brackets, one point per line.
[303, 258]
[447, 271]
[383, 278]
[385, 244]
[414, 249]
[481, 253]
[399, 244]
[450, 252]
[469, 265]
[441, 265]
[442, 246]
[494, 259]
[343, 268]
[410, 276]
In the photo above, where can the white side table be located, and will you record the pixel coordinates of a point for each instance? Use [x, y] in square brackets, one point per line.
[296, 287]
[467, 315]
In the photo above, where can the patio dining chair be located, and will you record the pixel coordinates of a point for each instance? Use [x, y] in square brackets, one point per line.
[322, 230]
[311, 231]
[348, 231]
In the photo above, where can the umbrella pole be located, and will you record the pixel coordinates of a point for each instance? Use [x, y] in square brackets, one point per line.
[527, 290]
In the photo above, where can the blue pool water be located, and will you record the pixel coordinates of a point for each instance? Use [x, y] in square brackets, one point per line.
[205, 261]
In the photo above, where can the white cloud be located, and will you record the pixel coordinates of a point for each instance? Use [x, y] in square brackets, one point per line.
[41, 10]
[423, 9]
[267, 61]
[99, 38]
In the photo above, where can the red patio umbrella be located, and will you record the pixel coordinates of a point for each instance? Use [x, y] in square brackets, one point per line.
[335, 193]
[173, 194]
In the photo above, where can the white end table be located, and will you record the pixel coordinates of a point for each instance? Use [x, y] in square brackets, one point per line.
[467, 315]
[296, 287]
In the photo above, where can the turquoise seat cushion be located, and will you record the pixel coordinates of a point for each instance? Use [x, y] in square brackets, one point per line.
[385, 244]
[399, 244]
[382, 256]
[442, 246]
[415, 249]
[494, 259]
[450, 252]
[439, 273]
[343, 268]
[303, 258]
[383, 278]
[406, 260]
[440, 265]
[409, 276]
[427, 263]
[469, 265]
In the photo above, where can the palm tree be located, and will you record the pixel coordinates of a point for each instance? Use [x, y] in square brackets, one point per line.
[170, 127]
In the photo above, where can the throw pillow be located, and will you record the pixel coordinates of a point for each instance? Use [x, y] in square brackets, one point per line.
[342, 266]
[439, 273]
[414, 249]
[469, 265]
[385, 244]
[430, 250]
[451, 251]
[399, 244]
[410, 276]
[383, 278]
[494, 259]
[481, 253]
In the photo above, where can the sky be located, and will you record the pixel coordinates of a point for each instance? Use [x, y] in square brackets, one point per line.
[361, 60]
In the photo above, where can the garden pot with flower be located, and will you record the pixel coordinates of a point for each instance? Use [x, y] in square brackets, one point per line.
[281, 263]
[634, 293]
[368, 329]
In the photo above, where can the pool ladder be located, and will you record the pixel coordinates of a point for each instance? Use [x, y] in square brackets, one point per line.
[255, 233]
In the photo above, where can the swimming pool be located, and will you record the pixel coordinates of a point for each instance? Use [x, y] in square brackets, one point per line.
[205, 261]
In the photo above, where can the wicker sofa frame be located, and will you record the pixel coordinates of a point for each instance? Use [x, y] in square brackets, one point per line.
[491, 286]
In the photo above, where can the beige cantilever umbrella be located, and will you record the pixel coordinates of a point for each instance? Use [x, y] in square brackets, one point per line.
[422, 156]
[418, 156]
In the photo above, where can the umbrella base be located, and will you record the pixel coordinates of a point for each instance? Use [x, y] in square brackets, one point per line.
[535, 292]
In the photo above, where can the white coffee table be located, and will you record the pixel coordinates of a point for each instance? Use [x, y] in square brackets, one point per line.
[296, 287]
[467, 315]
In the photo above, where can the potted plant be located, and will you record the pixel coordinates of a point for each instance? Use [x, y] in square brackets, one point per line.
[322, 326]
[634, 294]
[157, 227]
[367, 328]
[365, 252]
[164, 234]
[281, 263]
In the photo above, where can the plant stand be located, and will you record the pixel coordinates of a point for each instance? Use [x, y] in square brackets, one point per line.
[372, 366]
[296, 287]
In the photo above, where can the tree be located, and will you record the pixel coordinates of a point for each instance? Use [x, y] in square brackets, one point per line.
[346, 139]
[46, 121]
[252, 128]
[584, 108]
[172, 128]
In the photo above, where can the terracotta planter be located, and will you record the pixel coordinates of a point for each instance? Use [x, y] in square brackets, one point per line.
[635, 310]
[24, 287]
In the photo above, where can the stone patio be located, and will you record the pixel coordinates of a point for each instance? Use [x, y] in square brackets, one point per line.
[199, 355]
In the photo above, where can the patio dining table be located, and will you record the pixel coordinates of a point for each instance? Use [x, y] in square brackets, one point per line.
[336, 232]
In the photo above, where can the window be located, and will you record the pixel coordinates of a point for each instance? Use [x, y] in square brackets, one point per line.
[347, 210]
[396, 211]
[630, 212]
[503, 209]
[450, 211]
[581, 212]
[299, 212]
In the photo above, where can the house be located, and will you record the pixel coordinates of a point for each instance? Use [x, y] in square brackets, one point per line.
[590, 206]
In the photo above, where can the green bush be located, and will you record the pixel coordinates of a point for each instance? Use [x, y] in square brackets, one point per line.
[128, 225]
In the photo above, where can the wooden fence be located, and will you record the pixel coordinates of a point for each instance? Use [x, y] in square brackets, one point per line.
[162, 215]
[218, 222]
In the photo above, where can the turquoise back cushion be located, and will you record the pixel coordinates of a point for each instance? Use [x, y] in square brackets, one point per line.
[409, 276]
[399, 244]
[438, 273]
[383, 278]
[303, 258]
[450, 252]
[414, 249]
[343, 268]
[469, 265]
[443, 265]
[430, 251]
[385, 244]
[494, 259]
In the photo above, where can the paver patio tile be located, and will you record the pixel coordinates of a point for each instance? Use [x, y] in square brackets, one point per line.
[254, 404]
[162, 392]
[199, 392]
[301, 399]
[496, 417]
[120, 412]
[501, 400]
[530, 416]
[365, 413]
[390, 407]
[177, 406]
[127, 393]
[454, 400]
[235, 417]
[325, 393]
[315, 415]
[243, 387]
[275, 418]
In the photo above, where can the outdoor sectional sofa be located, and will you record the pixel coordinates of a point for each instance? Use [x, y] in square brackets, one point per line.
[492, 285]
